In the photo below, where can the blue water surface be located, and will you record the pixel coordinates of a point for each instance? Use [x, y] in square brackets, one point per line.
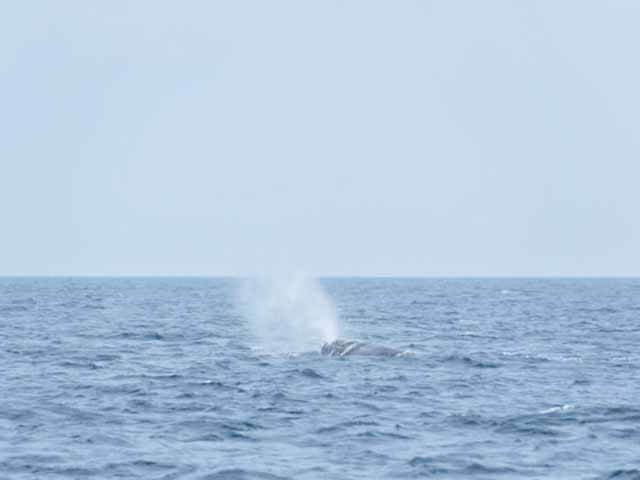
[161, 379]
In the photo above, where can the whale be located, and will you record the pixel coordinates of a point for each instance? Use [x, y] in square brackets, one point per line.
[344, 348]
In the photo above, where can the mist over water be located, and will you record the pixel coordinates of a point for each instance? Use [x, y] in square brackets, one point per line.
[289, 313]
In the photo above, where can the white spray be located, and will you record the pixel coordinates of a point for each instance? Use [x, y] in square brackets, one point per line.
[290, 314]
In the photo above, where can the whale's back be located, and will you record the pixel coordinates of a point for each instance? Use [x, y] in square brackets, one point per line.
[342, 348]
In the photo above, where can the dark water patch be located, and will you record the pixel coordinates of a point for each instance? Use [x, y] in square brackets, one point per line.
[216, 385]
[609, 414]
[597, 310]
[338, 427]
[515, 428]
[81, 365]
[101, 439]
[17, 414]
[93, 306]
[444, 466]
[185, 396]
[621, 474]
[140, 404]
[241, 474]
[616, 330]
[223, 364]
[9, 309]
[305, 372]
[378, 389]
[137, 336]
[186, 407]
[468, 420]
[153, 336]
[627, 433]
[382, 435]
[31, 459]
[453, 467]
[529, 424]
[432, 414]
[43, 467]
[468, 361]
[372, 456]
[581, 382]
[242, 425]
[107, 357]
[238, 436]
[207, 437]
[122, 389]
[420, 461]
[30, 301]
[69, 305]
[138, 469]
[277, 409]
[73, 414]
[282, 398]
[428, 466]
[367, 406]
[215, 429]
[424, 302]
[311, 373]
[169, 377]
[481, 469]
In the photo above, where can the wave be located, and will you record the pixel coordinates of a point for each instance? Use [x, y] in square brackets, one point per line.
[469, 361]
[241, 474]
[632, 474]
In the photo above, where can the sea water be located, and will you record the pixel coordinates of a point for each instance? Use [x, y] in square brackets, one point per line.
[167, 378]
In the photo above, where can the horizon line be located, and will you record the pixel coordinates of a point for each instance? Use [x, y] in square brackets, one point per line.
[376, 276]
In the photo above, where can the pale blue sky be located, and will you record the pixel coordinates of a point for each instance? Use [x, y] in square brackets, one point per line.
[329, 137]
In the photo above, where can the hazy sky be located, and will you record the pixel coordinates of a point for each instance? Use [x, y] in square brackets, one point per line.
[329, 137]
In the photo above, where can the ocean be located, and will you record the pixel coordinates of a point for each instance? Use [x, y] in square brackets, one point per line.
[205, 378]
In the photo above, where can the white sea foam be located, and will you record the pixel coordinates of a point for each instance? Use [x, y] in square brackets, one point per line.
[563, 408]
